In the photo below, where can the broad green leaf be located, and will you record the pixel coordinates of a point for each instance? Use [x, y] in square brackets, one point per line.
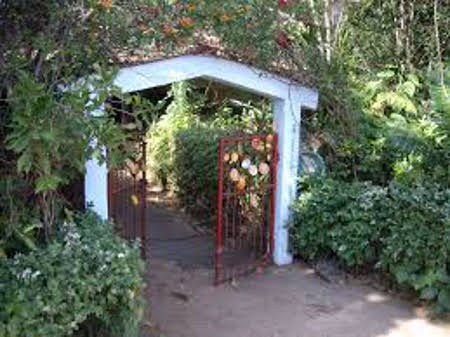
[47, 183]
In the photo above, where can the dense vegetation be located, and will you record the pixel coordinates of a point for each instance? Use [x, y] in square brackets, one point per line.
[397, 230]
[60, 275]
[183, 142]
[382, 129]
[383, 205]
[87, 281]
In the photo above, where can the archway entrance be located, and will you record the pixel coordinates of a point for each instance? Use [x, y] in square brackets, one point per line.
[287, 100]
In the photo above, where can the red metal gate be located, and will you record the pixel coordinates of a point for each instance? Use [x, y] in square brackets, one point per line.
[244, 235]
[127, 196]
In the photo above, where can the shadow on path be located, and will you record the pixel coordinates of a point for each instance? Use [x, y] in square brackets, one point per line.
[171, 238]
[287, 301]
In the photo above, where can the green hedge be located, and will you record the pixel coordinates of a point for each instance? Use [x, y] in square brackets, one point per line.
[404, 231]
[195, 168]
[86, 279]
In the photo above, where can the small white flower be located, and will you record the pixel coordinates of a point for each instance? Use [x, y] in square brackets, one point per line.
[25, 274]
[253, 170]
[246, 163]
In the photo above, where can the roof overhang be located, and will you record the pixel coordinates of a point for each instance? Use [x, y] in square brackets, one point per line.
[242, 76]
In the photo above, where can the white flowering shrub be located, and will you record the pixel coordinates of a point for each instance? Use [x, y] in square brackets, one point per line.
[88, 279]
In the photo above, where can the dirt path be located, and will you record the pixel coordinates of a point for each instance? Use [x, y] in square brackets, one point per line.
[283, 302]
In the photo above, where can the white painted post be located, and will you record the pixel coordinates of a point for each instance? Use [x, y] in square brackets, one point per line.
[96, 183]
[96, 187]
[287, 118]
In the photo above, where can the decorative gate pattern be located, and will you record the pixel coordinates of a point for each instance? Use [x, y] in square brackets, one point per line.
[127, 196]
[244, 235]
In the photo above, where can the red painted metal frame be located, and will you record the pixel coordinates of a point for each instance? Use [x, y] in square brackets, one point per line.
[219, 227]
[143, 199]
[219, 248]
[132, 221]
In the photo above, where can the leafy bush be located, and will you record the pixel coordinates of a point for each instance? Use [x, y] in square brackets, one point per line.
[195, 168]
[338, 218]
[180, 116]
[396, 229]
[404, 134]
[86, 277]
[183, 143]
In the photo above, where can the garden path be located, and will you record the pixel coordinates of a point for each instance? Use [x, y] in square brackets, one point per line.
[289, 301]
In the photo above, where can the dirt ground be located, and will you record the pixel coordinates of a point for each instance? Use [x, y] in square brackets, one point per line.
[282, 302]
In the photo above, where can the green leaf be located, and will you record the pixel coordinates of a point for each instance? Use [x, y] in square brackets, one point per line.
[408, 88]
[387, 74]
[47, 183]
[444, 299]
[24, 162]
[428, 293]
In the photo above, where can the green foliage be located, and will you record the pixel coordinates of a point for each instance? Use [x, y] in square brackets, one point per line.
[195, 168]
[183, 143]
[161, 137]
[341, 219]
[396, 142]
[439, 87]
[50, 134]
[86, 276]
[18, 221]
[396, 229]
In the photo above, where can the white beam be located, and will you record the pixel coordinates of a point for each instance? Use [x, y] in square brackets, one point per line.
[235, 74]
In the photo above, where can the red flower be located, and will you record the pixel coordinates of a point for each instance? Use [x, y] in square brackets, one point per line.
[283, 40]
[283, 3]
[255, 143]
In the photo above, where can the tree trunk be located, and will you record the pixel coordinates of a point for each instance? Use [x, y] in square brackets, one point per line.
[438, 42]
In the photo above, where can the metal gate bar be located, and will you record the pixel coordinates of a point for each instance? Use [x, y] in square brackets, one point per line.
[244, 235]
[127, 198]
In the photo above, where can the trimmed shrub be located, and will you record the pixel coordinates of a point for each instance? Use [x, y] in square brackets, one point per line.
[195, 168]
[398, 229]
[342, 219]
[88, 278]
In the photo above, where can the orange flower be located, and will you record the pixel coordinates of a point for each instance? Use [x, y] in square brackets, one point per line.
[191, 7]
[240, 185]
[269, 138]
[186, 22]
[144, 29]
[169, 30]
[226, 18]
[105, 3]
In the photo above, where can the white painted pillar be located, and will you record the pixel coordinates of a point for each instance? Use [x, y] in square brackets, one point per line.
[96, 187]
[287, 118]
[96, 183]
